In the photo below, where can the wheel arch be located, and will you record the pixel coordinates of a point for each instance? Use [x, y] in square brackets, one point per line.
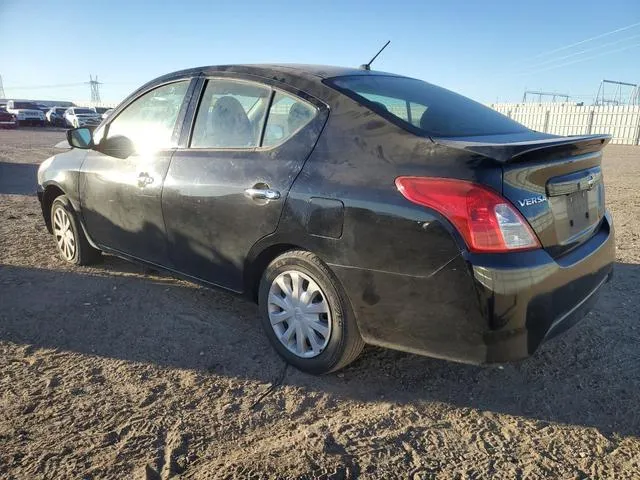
[51, 192]
[258, 261]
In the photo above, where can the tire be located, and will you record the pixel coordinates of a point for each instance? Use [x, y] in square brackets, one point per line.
[342, 343]
[71, 242]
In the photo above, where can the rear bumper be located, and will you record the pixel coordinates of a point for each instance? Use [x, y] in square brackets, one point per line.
[530, 297]
[482, 308]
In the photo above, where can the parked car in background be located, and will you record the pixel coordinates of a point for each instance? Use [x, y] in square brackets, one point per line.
[55, 116]
[100, 110]
[106, 113]
[26, 112]
[7, 120]
[81, 117]
[353, 206]
[43, 108]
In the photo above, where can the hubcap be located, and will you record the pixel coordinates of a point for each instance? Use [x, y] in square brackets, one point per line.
[64, 234]
[299, 314]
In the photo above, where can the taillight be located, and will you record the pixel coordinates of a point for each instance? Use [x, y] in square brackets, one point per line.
[486, 221]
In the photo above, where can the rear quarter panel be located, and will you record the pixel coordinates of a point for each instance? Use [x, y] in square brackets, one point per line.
[399, 263]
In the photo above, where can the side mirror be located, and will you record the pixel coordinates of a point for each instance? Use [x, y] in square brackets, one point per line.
[117, 146]
[80, 138]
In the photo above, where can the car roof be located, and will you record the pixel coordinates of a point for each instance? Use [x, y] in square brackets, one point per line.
[306, 77]
[299, 71]
[319, 71]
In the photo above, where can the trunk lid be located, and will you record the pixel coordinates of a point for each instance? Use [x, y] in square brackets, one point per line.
[555, 182]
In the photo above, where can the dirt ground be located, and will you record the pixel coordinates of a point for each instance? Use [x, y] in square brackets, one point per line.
[119, 372]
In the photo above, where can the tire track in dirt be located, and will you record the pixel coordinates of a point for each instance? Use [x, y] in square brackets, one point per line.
[158, 378]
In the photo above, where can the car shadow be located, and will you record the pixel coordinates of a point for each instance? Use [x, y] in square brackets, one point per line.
[589, 376]
[18, 178]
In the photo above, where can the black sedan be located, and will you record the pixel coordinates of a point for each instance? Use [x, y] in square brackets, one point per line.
[55, 116]
[353, 206]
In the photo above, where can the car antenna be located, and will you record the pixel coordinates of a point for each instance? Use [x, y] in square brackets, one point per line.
[367, 66]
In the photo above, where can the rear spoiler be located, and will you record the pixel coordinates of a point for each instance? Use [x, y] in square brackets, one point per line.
[513, 147]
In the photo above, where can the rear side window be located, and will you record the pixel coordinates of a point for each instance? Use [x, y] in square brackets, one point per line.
[231, 115]
[287, 115]
[423, 108]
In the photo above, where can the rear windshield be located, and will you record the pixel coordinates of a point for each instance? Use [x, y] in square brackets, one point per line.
[423, 108]
[83, 111]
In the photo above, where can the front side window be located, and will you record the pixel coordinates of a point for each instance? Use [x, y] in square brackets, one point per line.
[424, 108]
[231, 115]
[287, 115]
[150, 120]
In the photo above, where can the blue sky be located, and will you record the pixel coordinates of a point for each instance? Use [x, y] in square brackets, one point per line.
[488, 50]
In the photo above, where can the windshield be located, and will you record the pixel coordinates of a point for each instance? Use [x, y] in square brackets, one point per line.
[423, 108]
[101, 109]
[83, 111]
[25, 105]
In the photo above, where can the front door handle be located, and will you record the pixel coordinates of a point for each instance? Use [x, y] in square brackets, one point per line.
[144, 179]
[262, 193]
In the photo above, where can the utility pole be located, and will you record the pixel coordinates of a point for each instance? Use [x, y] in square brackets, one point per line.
[553, 95]
[95, 89]
[618, 97]
[1, 88]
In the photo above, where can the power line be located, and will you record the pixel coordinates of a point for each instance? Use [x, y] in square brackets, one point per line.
[602, 35]
[580, 60]
[581, 52]
[38, 87]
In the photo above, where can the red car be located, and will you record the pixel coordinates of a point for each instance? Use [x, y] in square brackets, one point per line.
[7, 120]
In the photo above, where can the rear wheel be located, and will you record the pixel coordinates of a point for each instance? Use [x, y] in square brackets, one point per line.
[306, 314]
[71, 241]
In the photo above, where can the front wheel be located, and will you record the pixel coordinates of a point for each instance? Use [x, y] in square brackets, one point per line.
[71, 241]
[306, 314]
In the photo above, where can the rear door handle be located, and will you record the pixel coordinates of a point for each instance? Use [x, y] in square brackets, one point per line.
[262, 193]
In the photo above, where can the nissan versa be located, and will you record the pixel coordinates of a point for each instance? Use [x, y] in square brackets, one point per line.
[354, 206]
